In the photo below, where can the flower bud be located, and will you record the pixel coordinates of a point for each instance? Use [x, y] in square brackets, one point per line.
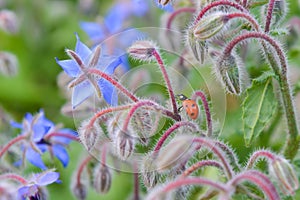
[9, 21]
[198, 47]
[287, 179]
[102, 179]
[8, 64]
[80, 191]
[142, 50]
[124, 144]
[209, 26]
[174, 154]
[229, 72]
[143, 125]
[89, 135]
[149, 173]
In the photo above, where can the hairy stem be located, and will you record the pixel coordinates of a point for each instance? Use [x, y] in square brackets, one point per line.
[12, 142]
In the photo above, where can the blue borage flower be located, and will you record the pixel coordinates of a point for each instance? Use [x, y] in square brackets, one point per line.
[33, 188]
[85, 89]
[38, 128]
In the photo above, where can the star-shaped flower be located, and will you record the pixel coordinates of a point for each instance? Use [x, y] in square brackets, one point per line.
[34, 187]
[84, 58]
[44, 136]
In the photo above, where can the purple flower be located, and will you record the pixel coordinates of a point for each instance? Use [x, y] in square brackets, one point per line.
[33, 189]
[38, 128]
[86, 88]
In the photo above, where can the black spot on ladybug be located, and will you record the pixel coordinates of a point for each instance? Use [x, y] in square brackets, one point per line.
[193, 105]
[192, 114]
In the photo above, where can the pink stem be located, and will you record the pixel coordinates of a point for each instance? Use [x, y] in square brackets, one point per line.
[198, 165]
[260, 180]
[15, 177]
[81, 167]
[12, 142]
[58, 134]
[269, 15]
[207, 110]
[257, 154]
[212, 146]
[167, 80]
[103, 154]
[218, 3]
[171, 130]
[176, 13]
[113, 82]
[246, 16]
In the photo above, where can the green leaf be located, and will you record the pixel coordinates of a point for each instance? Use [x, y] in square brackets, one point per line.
[258, 107]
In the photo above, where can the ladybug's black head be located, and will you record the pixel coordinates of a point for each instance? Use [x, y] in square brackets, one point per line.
[181, 97]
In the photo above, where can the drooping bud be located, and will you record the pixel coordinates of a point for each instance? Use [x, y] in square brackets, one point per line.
[149, 172]
[143, 125]
[229, 73]
[89, 134]
[102, 179]
[9, 21]
[209, 26]
[285, 174]
[80, 191]
[174, 154]
[124, 144]
[198, 47]
[8, 64]
[142, 50]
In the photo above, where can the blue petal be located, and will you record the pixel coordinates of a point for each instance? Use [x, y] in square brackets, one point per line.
[139, 7]
[114, 19]
[35, 158]
[28, 117]
[47, 178]
[125, 63]
[81, 92]
[109, 69]
[109, 92]
[16, 125]
[38, 132]
[27, 191]
[82, 50]
[69, 66]
[93, 30]
[61, 153]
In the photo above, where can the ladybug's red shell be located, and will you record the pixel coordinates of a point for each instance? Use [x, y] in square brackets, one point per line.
[191, 108]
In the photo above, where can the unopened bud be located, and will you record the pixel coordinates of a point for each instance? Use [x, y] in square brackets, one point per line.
[198, 47]
[80, 191]
[124, 144]
[149, 172]
[89, 134]
[229, 72]
[9, 21]
[284, 172]
[8, 64]
[142, 50]
[209, 26]
[174, 154]
[102, 179]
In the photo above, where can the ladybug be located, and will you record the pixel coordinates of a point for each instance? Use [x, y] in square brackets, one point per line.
[190, 106]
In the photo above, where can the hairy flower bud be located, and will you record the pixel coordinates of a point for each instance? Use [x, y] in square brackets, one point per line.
[8, 64]
[124, 144]
[209, 26]
[229, 73]
[80, 191]
[198, 47]
[89, 135]
[9, 21]
[174, 154]
[284, 172]
[102, 179]
[149, 173]
[142, 50]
